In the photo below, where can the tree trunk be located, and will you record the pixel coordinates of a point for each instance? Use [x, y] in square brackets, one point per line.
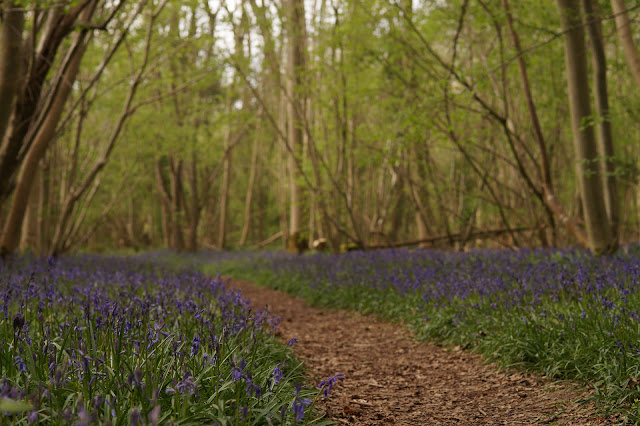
[296, 63]
[252, 179]
[545, 166]
[11, 232]
[130, 224]
[165, 198]
[194, 205]
[71, 197]
[599, 233]
[623, 26]
[43, 207]
[28, 102]
[283, 182]
[226, 179]
[177, 199]
[605, 138]
[10, 60]
[29, 237]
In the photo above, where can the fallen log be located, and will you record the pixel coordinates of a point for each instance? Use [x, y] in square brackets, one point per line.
[269, 240]
[453, 237]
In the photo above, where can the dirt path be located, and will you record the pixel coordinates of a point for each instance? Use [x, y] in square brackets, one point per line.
[392, 379]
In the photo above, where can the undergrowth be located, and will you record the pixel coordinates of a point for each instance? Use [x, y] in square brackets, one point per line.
[563, 313]
[113, 341]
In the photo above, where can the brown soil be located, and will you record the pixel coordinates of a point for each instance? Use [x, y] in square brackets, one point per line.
[392, 379]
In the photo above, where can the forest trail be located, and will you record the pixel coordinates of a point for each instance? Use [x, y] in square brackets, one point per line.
[392, 379]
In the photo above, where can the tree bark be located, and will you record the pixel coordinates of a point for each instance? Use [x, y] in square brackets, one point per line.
[165, 199]
[11, 232]
[43, 207]
[10, 60]
[194, 205]
[296, 64]
[18, 141]
[283, 181]
[601, 96]
[226, 178]
[623, 26]
[252, 179]
[599, 233]
[29, 237]
[177, 199]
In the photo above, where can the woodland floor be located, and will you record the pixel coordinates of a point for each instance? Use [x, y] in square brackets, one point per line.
[392, 379]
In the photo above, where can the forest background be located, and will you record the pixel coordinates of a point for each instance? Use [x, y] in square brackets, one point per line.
[366, 123]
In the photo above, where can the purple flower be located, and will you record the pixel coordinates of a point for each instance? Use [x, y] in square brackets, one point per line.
[154, 415]
[83, 417]
[135, 417]
[19, 362]
[277, 374]
[244, 412]
[293, 341]
[237, 372]
[187, 385]
[195, 346]
[299, 404]
[327, 385]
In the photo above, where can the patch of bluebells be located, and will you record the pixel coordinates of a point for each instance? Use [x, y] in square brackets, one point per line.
[112, 340]
[487, 280]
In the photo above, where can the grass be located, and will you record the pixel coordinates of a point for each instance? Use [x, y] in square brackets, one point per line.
[563, 313]
[118, 341]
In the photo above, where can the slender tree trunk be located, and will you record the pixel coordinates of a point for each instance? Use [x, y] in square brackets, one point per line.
[194, 205]
[545, 165]
[599, 233]
[10, 60]
[43, 202]
[29, 237]
[226, 179]
[130, 225]
[177, 204]
[296, 64]
[623, 26]
[252, 179]
[605, 137]
[283, 177]
[165, 198]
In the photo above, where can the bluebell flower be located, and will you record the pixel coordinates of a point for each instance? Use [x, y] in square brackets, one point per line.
[299, 404]
[277, 374]
[187, 385]
[135, 417]
[154, 415]
[327, 385]
[195, 346]
[19, 362]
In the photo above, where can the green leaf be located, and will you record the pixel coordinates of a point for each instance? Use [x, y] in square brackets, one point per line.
[11, 406]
